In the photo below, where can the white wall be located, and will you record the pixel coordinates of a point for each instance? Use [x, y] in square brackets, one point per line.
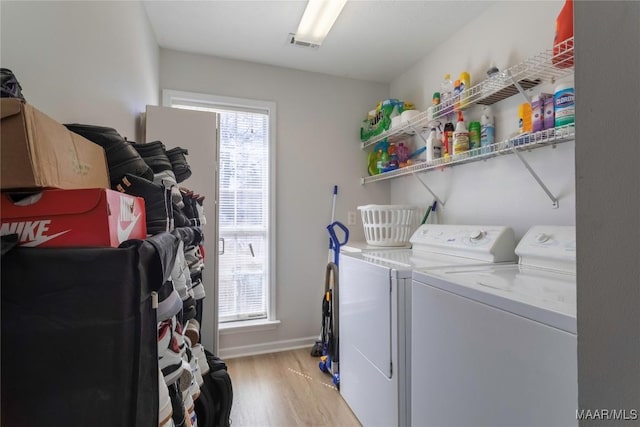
[318, 119]
[83, 62]
[499, 190]
[608, 205]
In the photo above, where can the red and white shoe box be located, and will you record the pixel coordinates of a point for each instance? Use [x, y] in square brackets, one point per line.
[83, 217]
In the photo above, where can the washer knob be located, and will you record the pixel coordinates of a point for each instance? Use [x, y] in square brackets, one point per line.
[477, 235]
[542, 237]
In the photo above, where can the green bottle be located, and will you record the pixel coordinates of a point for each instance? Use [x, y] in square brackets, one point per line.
[474, 135]
[385, 159]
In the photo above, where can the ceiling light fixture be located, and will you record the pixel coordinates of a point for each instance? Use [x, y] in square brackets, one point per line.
[318, 18]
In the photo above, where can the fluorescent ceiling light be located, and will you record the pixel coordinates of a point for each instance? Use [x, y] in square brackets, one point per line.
[317, 20]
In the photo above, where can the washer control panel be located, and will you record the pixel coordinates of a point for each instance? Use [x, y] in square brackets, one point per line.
[552, 247]
[483, 242]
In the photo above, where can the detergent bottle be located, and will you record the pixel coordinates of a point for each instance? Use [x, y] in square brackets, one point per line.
[384, 160]
[474, 135]
[460, 136]
[564, 32]
[433, 146]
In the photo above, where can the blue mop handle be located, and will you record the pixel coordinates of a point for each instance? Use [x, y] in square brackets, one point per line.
[335, 242]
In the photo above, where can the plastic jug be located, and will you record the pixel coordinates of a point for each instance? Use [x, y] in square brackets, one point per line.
[564, 31]
[460, 136]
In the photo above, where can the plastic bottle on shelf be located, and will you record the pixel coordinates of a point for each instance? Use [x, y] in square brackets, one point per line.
[460, 136]
[474, 135]
[392, 148]
[524, 118]
[487, 129]
[435, 99]
[447, 140]
[384, 160]
[537, 113]
[433, 146]
[379, 160]
[564, 31]
[446, 95]
[393, 155]
[564, 103]
[465, 84]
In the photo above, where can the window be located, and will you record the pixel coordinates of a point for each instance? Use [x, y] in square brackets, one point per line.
[245, 217]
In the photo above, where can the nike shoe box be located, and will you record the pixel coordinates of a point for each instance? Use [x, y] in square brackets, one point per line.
[73, 218]
[38, 152]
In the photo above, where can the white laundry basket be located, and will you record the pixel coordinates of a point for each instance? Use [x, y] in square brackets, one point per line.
[387, 225]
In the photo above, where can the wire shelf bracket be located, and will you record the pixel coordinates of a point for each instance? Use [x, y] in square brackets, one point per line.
[440, 202]
[520, 89]
[554, 199]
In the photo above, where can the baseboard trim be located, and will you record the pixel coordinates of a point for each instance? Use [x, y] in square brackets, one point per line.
[270, 347]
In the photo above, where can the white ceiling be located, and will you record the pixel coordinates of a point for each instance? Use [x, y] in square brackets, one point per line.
[371, 40]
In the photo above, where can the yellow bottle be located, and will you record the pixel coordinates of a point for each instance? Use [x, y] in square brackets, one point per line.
[465, 85]
[524, 118]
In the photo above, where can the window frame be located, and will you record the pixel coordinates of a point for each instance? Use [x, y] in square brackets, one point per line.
[169, 97]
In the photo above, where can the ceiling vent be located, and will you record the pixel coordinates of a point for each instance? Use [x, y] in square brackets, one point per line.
[292, 41]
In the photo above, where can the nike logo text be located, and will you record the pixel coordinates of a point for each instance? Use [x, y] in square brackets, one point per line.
[32, 233]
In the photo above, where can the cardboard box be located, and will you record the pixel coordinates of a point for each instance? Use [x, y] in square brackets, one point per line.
[63, 218]
[38, 152]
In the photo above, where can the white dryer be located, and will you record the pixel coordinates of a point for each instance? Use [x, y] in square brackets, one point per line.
[375, 312]
[496, 345]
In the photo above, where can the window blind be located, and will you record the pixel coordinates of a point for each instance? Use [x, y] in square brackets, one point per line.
[243, 211]
[243, 214]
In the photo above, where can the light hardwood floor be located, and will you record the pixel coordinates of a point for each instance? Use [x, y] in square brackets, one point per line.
[285, 389]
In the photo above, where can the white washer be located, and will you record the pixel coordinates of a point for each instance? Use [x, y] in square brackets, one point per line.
[496, 345]
[375, 316]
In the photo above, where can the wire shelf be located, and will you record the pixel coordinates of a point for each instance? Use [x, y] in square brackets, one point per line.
[520, 143]
[548, 65]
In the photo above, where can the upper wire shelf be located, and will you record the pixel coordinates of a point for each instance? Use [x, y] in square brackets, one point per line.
[549, 65]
